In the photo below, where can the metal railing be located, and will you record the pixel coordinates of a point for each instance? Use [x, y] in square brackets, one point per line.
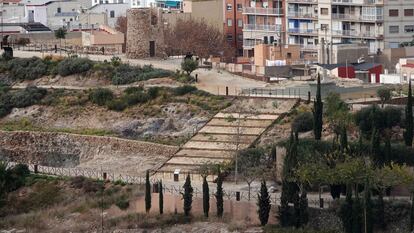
[303, 1]
[298, 14]
[354, 33]
[358, 2]
[251, 43]
[262, 11]
[357, 17]
[302, 31]
[308, 47]
[69, 49]
[262, 27]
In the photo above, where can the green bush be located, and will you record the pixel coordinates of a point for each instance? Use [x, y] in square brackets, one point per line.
[182, 90]
[125, 74]
[27, 68]
[153, 92]
[132, 90]
[117, 105]
[303, 122]
[136, 98]
[189, 65]
[101, 96]
[74, 65]
[122, 202]
[27, 97]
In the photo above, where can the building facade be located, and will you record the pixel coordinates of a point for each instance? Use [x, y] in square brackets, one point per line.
[264, 22]
[398, 22]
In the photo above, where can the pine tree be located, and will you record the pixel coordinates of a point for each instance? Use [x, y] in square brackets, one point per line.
[161, 198]
[206, 197]
[303, 203]
[147, 193]
[263, 202]
[317, 112]
[187, 195]
[219, 196]
[408, 133]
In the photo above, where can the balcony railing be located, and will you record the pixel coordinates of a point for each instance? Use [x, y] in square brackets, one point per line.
[302, 31]
[251, 43]
[358, 2]
[354, 33]
[303, 1]
[352, 17]
[308, 47]
[297, 14]
[262, 27]
[262, 11]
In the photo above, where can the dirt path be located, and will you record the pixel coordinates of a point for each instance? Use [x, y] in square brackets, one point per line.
[212, 81]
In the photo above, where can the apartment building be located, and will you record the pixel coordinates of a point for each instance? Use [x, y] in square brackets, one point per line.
[263, 23]
[335, 21]
[233, 26]
[398, 22]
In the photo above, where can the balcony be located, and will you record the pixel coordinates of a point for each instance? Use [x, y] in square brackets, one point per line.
[248, 44]
[357, 2]
[308, 47]
[262, 11]
[302, 15]
[262, 27]
[350, 17]
[302, 31]
[303, 1]
[357, 34]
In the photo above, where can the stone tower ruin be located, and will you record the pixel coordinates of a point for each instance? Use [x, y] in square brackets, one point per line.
[145, 34]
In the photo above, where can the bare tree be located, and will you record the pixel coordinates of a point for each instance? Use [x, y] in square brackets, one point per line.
[121, 26]
[197, 37]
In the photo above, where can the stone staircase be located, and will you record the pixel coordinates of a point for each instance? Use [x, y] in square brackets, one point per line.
[228, 131]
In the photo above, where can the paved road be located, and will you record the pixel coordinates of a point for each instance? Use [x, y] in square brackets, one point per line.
[209, 80]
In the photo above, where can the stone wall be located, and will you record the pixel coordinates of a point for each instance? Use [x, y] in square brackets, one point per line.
[70, 150]
[145, 25]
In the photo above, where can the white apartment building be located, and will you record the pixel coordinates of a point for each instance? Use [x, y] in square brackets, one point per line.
[335, 21]
[112, 11]
[143, 3]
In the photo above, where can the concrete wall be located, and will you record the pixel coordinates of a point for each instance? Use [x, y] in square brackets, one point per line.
[171, 19]
[118, 8]
[72, 38]
[211, 11]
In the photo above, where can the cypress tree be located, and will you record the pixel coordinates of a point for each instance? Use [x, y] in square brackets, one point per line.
[206, 197]
[147, 193]
[387, 150]
[356, 216]
[368, 222]
[346, 211]
[381, 212]
[219, 196]
[303, 203]
[296, 207]
[408, 133]
[187, 195]
[317, 112]
[375, 147]
[412, 214]
[263, 202]
[344, 139]
[283, 212]
[161, 198]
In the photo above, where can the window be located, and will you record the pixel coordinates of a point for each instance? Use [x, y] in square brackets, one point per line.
[240, 23]
[112, 14]
[229, 7]
[393, 13]
[229, 37]
[394, 29]
[289, 55]
[239, 7]
[408, 12]
[409, 28]
[324, 11]
[324, 27]
[229, 22]
[59, 10]
[240, 37]
[394, 45]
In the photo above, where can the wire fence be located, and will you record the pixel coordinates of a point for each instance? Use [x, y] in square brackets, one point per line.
[68, 49]
[276, 93]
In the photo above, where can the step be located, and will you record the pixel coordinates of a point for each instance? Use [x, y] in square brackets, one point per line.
[179, 161]
[204, 153]
[246, 139]
[241, 123]
[215, 145]
[252, 116]
[256, 131]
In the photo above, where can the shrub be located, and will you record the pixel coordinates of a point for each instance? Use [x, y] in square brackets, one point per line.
[117, 105]
[101, 96]
[74, 65]
[122, 202]
[27, 97]
[189, 65]
[303, 122]
[125, 74]
[27, 68]
[115, 61]
[132, 90]
[136, 98]
[153, 92]
[184, 90]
